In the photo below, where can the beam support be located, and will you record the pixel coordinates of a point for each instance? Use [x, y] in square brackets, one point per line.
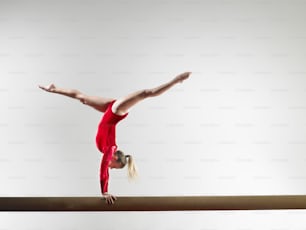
[170, 203]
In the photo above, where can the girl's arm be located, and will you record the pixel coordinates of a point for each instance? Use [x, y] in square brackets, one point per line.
[104, 175]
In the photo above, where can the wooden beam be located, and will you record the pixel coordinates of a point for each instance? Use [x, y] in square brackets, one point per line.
[170, 203]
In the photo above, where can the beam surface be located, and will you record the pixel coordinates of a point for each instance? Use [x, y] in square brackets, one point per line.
[170, 203]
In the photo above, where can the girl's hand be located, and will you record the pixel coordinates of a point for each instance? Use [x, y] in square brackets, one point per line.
[49, 88]
[182, 77]
[109, 198]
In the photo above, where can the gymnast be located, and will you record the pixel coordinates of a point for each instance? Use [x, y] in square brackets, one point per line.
[114, 111]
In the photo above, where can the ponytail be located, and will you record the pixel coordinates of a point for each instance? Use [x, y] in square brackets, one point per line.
[129, 161]
[132, 170]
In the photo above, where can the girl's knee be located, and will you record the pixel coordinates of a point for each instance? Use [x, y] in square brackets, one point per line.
[81, 97]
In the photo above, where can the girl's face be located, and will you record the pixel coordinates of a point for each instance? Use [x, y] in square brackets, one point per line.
[114, 163]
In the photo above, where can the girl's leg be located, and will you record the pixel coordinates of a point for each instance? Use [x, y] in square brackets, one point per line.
[122, 105]
[98, 103]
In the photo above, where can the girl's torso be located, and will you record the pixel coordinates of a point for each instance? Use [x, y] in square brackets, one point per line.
[106, 134]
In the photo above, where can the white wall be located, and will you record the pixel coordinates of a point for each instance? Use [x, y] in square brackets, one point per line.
[236, 127]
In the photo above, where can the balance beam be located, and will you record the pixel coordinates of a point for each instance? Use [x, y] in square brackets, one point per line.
[170, 203]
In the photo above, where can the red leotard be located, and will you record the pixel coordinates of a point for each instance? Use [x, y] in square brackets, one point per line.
[106, 142]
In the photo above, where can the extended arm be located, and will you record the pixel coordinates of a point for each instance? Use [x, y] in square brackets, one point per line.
[122, 105]
[104, 175]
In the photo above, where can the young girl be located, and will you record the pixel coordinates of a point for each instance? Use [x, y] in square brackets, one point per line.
[114, 111]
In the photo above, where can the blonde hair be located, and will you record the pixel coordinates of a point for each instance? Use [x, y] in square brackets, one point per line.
[132, 170]
[129, 160]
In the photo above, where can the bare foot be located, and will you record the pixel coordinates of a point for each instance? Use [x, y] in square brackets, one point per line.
[182, 77]
[49, 88]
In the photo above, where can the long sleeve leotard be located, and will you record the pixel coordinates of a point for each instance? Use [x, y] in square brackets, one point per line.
[106, 142]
